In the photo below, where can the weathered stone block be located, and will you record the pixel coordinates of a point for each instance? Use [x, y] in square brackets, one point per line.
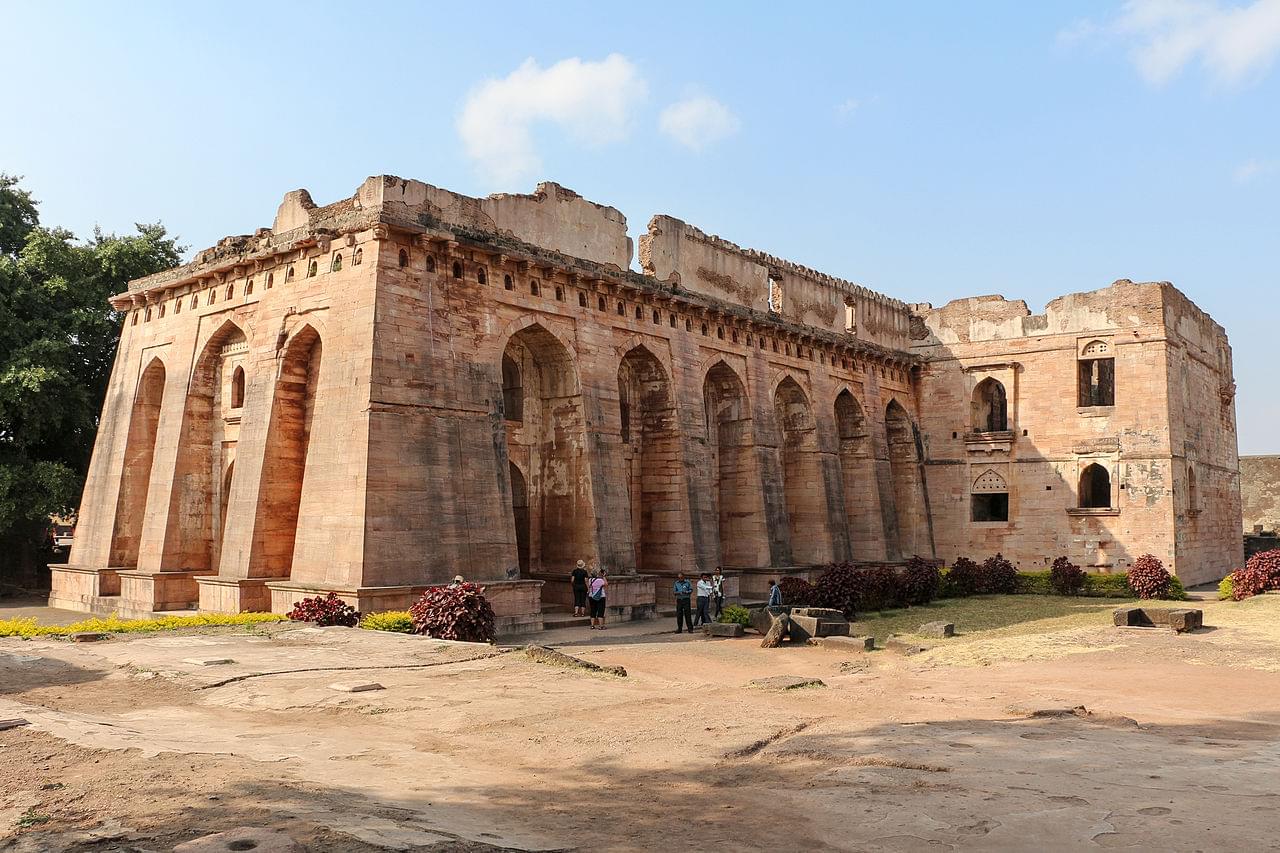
[785, 682]
[937, 629]
[859, 644]
[356, 686]
[723, 629]
[900, 646]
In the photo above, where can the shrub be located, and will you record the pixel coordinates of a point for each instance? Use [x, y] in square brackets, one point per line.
[396, 621]
[842, 587]
[1260, 574]
[797, 591]
[736, 614]
[1148, 578]
[998, 575]
[31, 627]
[458, 611]
[1066, 578]
[920, 580]
[963, 578]
[1226, 588]
[325, 610]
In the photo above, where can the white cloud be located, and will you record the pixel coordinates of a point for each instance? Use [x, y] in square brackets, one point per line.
[698, 122]
[592, 101]
[846, 108]
[1251, 170]
[1232, 42]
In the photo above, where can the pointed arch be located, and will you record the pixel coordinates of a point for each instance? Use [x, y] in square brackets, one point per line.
[197, 517]
[550, 442]
[286, 459]
[803, 485]
[651, 458]
[734, 471]
[906, 522]
[139, 453]
[1095, 487]
[990, 407]
[520, 513]
[858, 476]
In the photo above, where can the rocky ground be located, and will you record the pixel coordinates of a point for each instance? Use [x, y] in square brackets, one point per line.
[1052, 731]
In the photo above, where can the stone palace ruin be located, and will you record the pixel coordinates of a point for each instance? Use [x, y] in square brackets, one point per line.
[376, 395]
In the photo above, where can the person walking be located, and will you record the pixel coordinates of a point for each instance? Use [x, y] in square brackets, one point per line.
[578, 582]
[596, 597]
[682, 589]
[775, 594]
[704, 599]
[717, 590]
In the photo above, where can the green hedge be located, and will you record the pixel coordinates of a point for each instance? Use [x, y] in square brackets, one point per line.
[1095, 586]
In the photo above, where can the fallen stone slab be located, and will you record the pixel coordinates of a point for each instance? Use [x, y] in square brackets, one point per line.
[828, 613]
[937, 629]
[763, 618]
[208, 661]
[804, 628]
[1178, 619]
[253, 838]
[723, 629]
[785, 682]
[13, 724]
[88, 637]
[551, 657]
[857, 644]
[356, 686]
[777, 632]
[898, 645]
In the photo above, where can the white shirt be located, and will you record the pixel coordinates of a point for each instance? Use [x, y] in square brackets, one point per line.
[704, 588]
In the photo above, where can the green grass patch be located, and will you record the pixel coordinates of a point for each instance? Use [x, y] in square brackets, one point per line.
[1029, 614]
[31, 627]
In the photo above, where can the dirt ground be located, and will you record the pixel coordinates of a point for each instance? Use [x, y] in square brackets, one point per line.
[970, 745]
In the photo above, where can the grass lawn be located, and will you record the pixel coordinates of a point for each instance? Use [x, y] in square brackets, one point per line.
[1010, 615]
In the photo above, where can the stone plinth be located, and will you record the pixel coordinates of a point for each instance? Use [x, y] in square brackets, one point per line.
[628, 597]
[144, 593]
[1176, 619]
[233, 595]
[80, 587]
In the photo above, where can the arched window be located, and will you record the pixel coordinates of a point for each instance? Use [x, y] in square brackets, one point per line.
[989, 497]
[582, 299]
[559, 293]
[457, 270]
[404, 259]
[1097, 370]
[622, 309]
[481, 276]
[288, 273]
[195, 300]
[507, 283]
[134, 321]
[1095, 487]
[533, 286]
[512, 390]
[336, 264]
[312, 269]
[639, 313]
[237, 388]
[990, 407]
[177, 305]
[231, 291]
[431, 263]
[357, 257]
[161, 309]
[600, 306]
[271, 279]
[209, 301]
[248, 288]
[146, 318]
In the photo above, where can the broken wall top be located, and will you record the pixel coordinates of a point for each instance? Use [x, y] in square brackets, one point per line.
[677, 252]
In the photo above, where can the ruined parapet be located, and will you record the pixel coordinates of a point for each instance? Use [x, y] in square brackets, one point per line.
[679, 253]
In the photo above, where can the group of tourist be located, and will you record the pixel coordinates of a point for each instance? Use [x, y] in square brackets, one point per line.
[590, 586]
[709, 588]
[590, 589]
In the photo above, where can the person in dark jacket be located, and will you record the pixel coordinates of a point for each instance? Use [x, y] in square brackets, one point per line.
[683, 591]
[578, 582]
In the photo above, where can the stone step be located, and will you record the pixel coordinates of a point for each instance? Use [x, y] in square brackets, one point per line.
[552, 621]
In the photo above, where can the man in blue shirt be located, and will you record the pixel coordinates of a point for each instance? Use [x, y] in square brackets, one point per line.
[775, 594]
[683, 590]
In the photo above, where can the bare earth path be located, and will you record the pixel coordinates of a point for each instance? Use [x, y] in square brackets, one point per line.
[971, 745]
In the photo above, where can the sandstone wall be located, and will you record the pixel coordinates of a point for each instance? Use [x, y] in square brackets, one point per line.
[1260, 492]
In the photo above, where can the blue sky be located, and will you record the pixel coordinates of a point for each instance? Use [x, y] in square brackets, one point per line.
[929, 150]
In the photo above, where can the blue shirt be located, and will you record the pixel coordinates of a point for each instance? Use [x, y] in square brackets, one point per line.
[775, 596]
[682, 589]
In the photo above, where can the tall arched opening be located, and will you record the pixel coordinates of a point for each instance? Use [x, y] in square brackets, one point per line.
[548, 442]
[206, 454]
[139, 452]
[651, 455]
[520, 512]
[990, 407]
[802, 480]
[910, 534]
[857, 470]
[743, 538]
[284, 464]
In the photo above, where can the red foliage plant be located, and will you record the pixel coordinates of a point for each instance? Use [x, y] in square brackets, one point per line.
[458, 611]
[325, 610]
[920, 580]
[1148, 578]
[999, 576]
[964, 577]
[798, 592]
[1260, 574]
[1066, 578]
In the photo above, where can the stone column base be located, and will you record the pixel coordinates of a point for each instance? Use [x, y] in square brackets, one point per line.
[82, 587]
[233, 595]
[144, 594]
[517, 607]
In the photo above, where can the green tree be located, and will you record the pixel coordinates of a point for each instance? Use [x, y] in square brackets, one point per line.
[58, 338]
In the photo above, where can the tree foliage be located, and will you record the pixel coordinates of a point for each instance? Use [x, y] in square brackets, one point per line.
[58, 338]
